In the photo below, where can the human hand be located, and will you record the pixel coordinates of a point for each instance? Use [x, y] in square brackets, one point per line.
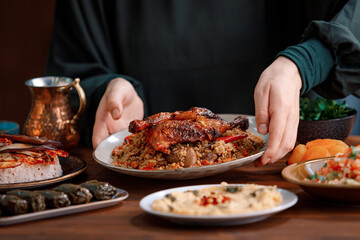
[276, 98]
[117, 108]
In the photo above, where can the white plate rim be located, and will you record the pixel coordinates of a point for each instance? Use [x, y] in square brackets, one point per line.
[289, 200]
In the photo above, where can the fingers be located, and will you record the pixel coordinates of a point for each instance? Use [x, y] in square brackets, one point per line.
[290, 132]
[114, 98]
[288, 140]
[109, 109]
[119, 105]
[100, 130]
[261, 99]
[283, 127]
[276, 130]
[277, 107]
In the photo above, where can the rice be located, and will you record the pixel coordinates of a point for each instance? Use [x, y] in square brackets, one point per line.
[136, 153]
[30, 172]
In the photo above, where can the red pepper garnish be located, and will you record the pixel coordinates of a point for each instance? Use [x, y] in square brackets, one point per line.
[58, 152]
[225, 199]
[232, 138]
[127, 139]
[205, 200]
[149, 167]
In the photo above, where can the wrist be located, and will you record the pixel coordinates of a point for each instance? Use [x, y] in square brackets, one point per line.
[291, 68]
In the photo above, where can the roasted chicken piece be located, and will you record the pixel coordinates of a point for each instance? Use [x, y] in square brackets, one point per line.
[196, 124]
[191, 114]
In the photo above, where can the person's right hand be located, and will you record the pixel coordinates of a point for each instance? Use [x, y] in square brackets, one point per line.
[276, 98]
[118, 107]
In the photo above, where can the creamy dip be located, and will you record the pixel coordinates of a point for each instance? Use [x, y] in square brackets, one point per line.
[220, 200]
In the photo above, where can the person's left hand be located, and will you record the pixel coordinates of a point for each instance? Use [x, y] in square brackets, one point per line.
[276, 98]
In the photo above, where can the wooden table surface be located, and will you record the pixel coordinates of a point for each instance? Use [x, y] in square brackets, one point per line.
[310, 218]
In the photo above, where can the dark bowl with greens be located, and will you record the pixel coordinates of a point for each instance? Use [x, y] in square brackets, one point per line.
[324, 118]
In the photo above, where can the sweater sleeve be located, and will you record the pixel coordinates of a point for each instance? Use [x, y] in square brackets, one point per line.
[341, 37]
[81, 46]
[314, 61]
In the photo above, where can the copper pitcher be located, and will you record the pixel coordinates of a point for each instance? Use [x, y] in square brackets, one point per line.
[50, 115]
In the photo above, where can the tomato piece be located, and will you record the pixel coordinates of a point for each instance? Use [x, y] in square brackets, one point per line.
[150, 166]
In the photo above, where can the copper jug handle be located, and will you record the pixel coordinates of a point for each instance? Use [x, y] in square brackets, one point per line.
[80, 91]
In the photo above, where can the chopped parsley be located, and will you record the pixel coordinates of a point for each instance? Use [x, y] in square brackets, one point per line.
[171, 197]
[354, 152]
[232, 189]
[323, 109]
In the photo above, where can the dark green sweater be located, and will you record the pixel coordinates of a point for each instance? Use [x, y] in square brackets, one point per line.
[184, 53]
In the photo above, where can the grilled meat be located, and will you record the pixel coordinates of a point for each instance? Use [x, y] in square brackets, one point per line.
[192, 114]
[196, 124]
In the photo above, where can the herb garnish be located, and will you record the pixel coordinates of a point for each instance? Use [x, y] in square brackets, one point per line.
[354, 152]
[231, 189]
[323, 109]
[171, 197]
[315, 176]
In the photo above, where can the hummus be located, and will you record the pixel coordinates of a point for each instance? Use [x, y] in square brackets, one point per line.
[220, 200]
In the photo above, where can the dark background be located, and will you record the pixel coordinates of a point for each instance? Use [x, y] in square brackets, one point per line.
[25, 28]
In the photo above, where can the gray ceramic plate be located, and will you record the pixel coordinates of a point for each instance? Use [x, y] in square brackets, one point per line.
[71, 166]
[102, 155]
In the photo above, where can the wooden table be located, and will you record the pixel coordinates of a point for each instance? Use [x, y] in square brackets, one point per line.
[308, 219]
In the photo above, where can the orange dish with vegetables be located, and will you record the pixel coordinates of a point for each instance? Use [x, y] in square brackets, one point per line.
[344, 169]
[184, 139]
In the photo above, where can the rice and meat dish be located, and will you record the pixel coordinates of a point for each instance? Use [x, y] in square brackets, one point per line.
[219, 200]
[26, 159]
[182, 139]
[344, 169]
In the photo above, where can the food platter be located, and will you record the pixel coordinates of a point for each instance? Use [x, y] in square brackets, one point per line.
[102, 155]
[72, 166]
[120, 196]
[289, 199]
[335, 193]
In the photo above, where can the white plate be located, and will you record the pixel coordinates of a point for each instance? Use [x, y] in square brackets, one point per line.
[102, 155]
[121, 195]
[289, 199]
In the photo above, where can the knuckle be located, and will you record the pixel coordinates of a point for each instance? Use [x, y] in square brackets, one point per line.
[275, 135]
[111, 102]
[288, 147]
